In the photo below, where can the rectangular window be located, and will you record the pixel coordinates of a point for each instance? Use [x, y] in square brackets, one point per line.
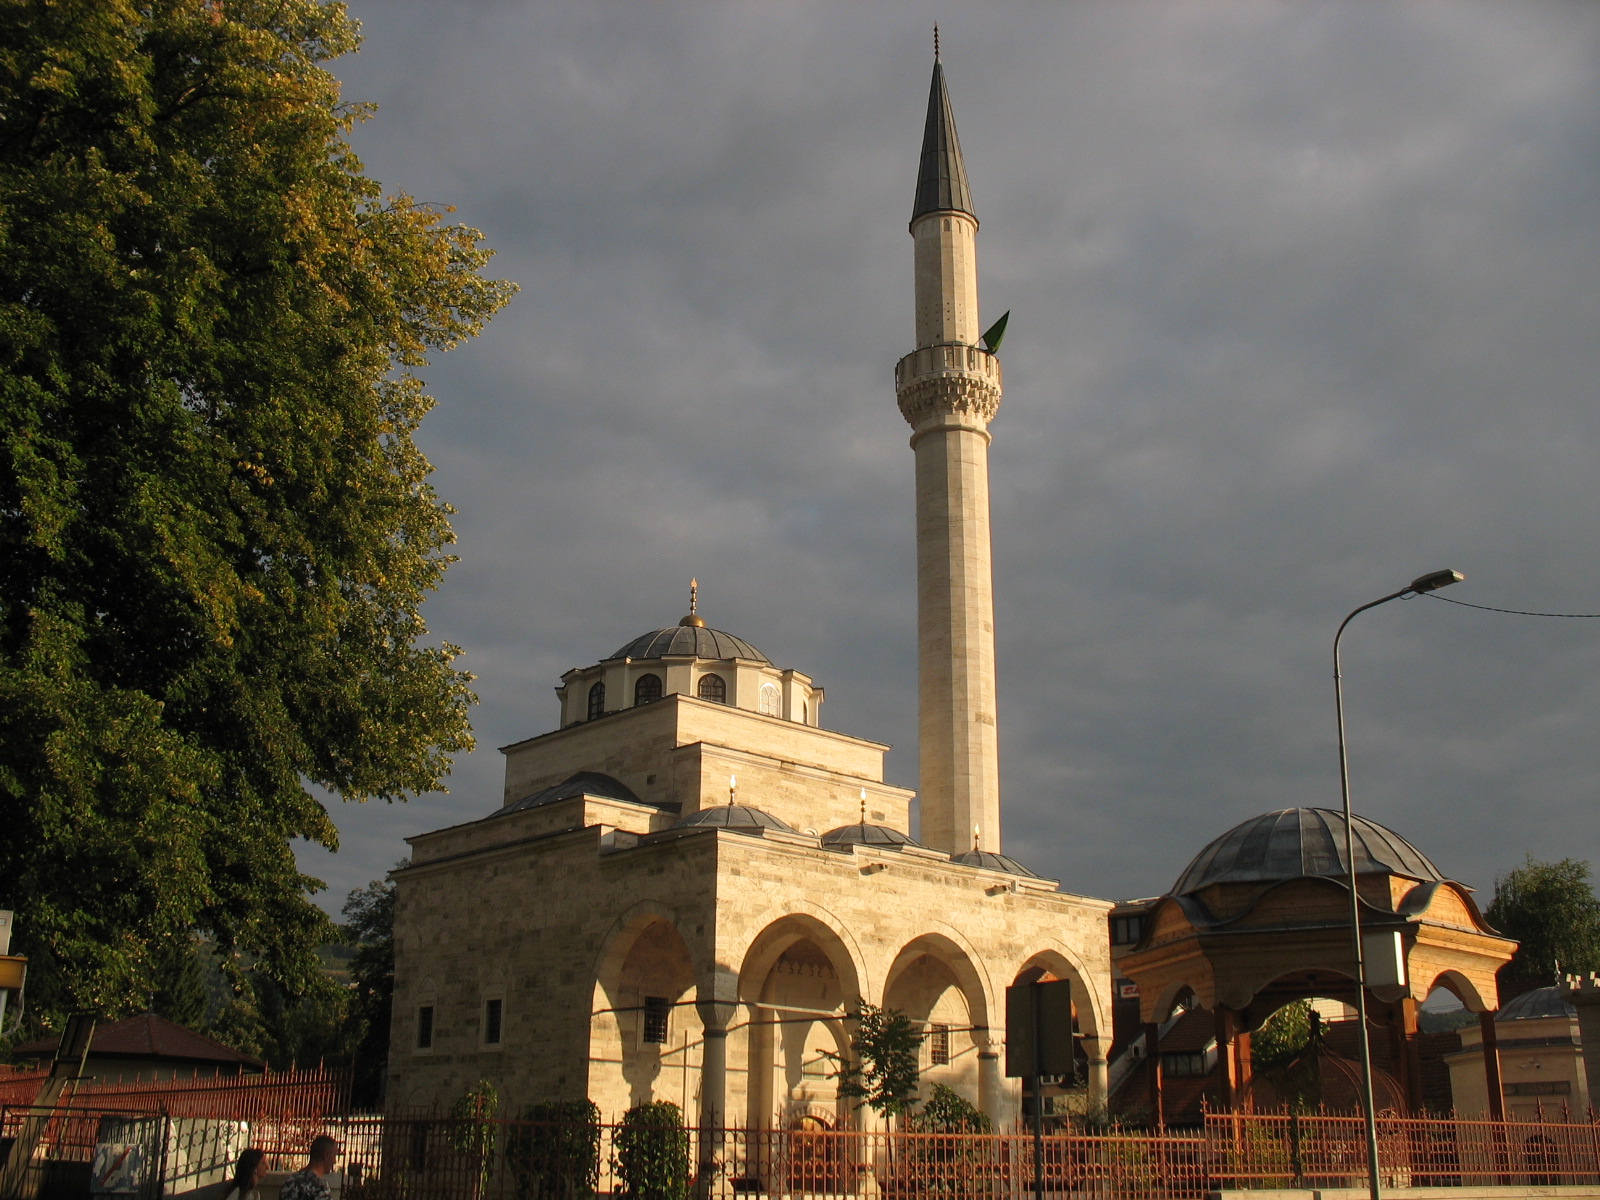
[493, 1010]
[656, 1011]
[939, 1044]
[425, 1027]
[1125, 931]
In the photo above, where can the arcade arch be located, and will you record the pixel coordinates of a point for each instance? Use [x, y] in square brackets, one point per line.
[644, 1036]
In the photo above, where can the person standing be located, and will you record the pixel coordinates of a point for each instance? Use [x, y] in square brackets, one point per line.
[247, 1176]
[311, 1183]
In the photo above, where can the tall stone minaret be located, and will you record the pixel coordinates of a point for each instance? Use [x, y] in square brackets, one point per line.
[949, 391]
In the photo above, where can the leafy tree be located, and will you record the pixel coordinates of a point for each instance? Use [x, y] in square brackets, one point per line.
[653, 1152]
[1282, 1035]
[883, 1069]
[369, 923]
[1552, 911]
[216, 527]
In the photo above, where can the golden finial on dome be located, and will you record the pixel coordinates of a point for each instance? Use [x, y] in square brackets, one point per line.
[693, 620]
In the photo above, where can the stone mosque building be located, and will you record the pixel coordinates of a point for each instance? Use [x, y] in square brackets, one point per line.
[692, 885]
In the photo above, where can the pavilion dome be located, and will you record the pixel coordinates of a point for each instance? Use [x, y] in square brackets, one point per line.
[1295, 843]
[863, 834]
[733, 816]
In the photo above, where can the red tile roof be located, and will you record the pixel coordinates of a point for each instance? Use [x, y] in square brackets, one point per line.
[148, 1036]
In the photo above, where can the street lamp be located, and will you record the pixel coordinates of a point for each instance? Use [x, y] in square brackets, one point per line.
[1417, 587]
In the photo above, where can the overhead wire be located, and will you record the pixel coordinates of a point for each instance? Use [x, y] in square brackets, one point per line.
[1515, 612]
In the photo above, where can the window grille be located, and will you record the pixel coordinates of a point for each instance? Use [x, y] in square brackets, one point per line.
[646, 689]
[939, 1045]
[597, 701]
[771, 703]
[657, 1009]
[425, 1027]
[713, 688]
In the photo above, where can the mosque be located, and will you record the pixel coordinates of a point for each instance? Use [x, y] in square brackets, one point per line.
[692, 886]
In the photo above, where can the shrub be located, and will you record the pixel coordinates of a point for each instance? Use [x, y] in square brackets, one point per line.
[557, 1155]
[653, 1152]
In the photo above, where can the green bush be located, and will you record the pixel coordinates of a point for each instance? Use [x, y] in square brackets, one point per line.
[653, 1152]
[948, 1111]
[557, 1155]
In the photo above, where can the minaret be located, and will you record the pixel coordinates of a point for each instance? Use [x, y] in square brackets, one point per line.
[949, 391]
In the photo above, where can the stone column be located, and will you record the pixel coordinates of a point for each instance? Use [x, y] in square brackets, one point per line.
[992, 1086]
[1099, 1080]
[1227, 1062]
[714, 1019]
[1152, 1067]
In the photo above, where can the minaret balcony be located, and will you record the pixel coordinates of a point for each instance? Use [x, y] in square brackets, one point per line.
[947, 358]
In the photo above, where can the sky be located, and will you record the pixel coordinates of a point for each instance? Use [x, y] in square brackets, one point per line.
[1305, 304]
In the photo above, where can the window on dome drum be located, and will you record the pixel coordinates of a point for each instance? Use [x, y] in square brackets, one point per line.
[771, 703]
[939, 1045]
[646, 689]
[713, 688]
[597, 701]
[425, 1027]
[493, 1017]
[657, 1009]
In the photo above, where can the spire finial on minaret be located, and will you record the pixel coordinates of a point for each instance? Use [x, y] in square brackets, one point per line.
[694, 620]
[936, 41]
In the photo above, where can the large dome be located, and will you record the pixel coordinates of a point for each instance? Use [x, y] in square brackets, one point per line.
[1296, 842]
[689, 641]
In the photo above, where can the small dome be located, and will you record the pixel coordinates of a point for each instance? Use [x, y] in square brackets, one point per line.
[866, 835]
[1530, 1006]
[1295, 843]
[990, 861]
[733, 816]
[584, 783]
[689, 641]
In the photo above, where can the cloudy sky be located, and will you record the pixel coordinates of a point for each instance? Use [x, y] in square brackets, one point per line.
[1306, 303]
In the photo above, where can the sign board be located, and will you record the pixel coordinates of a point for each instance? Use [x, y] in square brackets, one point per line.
[1039, 1029]
[1385, 957]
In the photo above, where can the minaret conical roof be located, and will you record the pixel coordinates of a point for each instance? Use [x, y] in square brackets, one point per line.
[942, 177]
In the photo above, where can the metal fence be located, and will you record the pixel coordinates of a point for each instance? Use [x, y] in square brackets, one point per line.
[439, 1158]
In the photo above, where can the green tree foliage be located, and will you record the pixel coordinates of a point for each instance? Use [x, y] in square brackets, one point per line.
[948, 1111]
[653, 1152]
[553, 1152]
[216, 527]
[1283, 1035]
[369, 923]
[885, 1053]
[1552, 911]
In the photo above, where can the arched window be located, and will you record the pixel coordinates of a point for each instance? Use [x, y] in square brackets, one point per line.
[646, 689]
[713, 688]
[597, 701]
[805, 712]
[771, 703]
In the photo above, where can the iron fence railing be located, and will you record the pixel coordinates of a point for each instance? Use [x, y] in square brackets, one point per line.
[430, 1157]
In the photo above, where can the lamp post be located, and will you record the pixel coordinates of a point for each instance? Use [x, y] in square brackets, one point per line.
[1426, 583]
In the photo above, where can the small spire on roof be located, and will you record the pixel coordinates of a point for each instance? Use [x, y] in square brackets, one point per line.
[694, 620]
[975, 839]
[864, 790]
[733, 788]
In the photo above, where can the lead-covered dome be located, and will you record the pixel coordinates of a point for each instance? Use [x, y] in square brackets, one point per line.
[689, 641]
[990, 861]
[1531, 1006]
[863, 834]
[1293, 843]
[733, 816]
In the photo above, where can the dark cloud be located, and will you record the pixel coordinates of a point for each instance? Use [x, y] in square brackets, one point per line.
[1304, 305]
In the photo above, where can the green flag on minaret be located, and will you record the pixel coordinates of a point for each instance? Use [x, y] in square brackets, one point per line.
[993, 335]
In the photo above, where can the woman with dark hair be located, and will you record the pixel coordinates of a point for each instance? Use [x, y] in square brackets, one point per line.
[247, 1176]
